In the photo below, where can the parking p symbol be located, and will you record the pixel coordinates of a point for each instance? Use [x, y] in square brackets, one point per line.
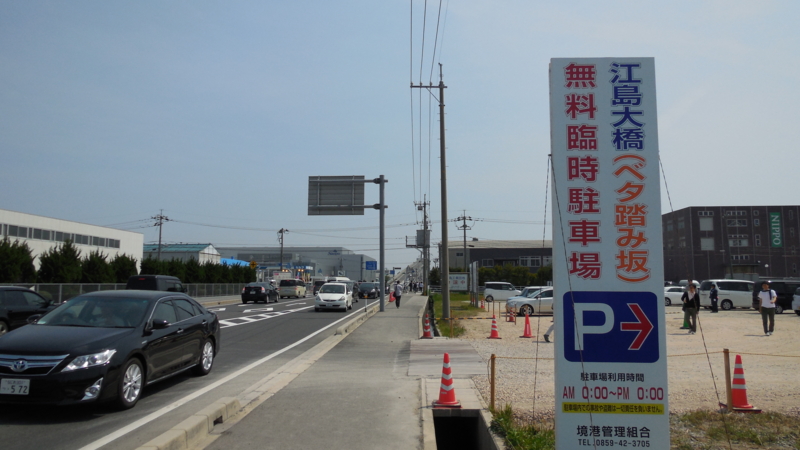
[581, 329]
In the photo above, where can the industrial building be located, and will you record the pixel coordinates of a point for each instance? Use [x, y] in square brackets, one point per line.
[744, 242]
[489, 253]
[43, 233]
[306, 262]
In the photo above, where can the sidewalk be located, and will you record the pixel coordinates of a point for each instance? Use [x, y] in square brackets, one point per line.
[357, 396]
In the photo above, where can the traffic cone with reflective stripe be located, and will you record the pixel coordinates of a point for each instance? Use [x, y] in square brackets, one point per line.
[739, 387]
[527, 333]
[495, 334]
[447, 392]
[426, 329]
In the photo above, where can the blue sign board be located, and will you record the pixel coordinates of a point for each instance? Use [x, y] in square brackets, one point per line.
[611, 327]
[371, 265]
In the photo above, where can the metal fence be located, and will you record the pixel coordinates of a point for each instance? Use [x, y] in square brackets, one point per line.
[61, 292]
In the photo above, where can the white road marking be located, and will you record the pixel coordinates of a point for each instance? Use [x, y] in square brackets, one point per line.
[225, 323]
[216, 309]
[258, 310]
[176, 404]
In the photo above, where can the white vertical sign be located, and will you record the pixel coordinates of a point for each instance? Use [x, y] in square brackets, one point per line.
[610, 358]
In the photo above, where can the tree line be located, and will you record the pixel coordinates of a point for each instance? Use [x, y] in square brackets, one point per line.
[516, 275]
[64, 264]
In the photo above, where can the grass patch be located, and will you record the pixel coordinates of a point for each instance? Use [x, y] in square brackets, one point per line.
[711, 430]
[459, 307]
[519, 435]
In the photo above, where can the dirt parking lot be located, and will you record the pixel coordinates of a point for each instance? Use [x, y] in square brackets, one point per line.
[771, 363]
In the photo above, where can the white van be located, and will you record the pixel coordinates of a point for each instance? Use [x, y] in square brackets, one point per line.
[732, 293]
[337, 279]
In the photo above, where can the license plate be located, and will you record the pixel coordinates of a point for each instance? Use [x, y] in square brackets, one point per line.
[15, 387]
[252, 292]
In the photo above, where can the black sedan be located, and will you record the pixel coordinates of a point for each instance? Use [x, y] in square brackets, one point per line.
[259, 292]
[106, 345]
[368, 290]
[19, 303]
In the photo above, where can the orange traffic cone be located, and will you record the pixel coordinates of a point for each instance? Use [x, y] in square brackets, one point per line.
[391, 297]
[739, 388]
[426, 329]
[495, 334]
[447, 392]
[527, 333]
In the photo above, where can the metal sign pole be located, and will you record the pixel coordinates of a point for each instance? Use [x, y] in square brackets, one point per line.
[382, 183]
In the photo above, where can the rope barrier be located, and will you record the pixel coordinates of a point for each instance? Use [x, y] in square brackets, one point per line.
[668, 356]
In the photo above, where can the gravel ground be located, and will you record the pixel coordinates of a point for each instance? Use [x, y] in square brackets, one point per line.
[771, 363]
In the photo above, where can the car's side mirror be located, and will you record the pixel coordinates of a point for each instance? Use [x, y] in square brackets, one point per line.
[160, 324]
[34, 318]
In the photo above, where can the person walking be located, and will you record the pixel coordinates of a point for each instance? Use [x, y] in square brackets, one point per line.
[768, 298]
[398, 292]
[691, 304]
[714, 296]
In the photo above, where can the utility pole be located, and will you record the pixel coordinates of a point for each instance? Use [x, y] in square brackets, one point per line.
[443, 254]
[464, 227]
[426, 242]
[160, 219]
[281, 232]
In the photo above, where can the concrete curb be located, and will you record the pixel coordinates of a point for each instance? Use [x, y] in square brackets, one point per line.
[196, 428]
[196, 431]
[353, 324]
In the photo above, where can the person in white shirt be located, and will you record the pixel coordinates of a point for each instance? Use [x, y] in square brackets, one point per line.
[768, 298]
[398, 292]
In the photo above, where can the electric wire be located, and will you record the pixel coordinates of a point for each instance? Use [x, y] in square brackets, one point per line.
[539, 318]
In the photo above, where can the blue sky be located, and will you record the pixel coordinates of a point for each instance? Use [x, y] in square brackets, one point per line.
[217, 112]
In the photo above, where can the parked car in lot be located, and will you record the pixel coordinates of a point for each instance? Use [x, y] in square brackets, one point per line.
[731, 293]
[106, 346]
[796, 301]
[259, 292]
[292, 288]
[17, 304]
[155, 283]
[333, 296]
[784, 289]
[368, 290]
[673, 294]
[496, 290]
[534, 302]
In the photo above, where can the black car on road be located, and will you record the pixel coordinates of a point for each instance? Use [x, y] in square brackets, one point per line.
[17, 304]
[259, 292]
[368, 290]
[106, 345]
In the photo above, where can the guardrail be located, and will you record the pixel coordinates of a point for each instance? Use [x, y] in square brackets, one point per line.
[61, 292]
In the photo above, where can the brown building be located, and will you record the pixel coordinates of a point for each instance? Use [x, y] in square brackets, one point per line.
[705, 242]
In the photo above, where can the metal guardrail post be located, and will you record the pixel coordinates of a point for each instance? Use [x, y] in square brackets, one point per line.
[491, 383]
[728, 392]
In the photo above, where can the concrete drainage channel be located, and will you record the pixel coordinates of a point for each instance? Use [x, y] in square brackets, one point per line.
[203, 427]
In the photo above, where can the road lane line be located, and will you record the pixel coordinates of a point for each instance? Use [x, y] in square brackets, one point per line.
[180, 402]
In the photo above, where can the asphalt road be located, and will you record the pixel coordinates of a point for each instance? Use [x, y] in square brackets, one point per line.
[250, 333]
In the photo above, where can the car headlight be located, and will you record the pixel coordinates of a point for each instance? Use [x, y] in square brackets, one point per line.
[85, 361]
[317, 298]
[343, 298]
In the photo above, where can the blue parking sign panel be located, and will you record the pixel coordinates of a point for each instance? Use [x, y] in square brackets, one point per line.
[611, 327]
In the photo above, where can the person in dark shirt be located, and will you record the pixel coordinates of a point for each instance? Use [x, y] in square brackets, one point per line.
[691, 304]
[714, 297]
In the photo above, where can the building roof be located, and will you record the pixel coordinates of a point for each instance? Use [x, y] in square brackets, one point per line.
[501, 244]
[181, 248]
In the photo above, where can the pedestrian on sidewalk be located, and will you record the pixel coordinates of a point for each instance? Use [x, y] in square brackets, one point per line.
[714, 296]
[691, 304]
[768, 298]
[398, 292]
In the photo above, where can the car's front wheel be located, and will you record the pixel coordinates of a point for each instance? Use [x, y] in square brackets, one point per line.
[526, 310]
[667, 301]
[726, 305]
[130, 386]
[206, 359]
[778, 309]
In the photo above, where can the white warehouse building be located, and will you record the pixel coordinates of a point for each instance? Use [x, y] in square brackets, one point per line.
[43, 233]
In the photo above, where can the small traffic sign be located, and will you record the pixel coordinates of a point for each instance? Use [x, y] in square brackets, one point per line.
[253, 264]
[371, 265]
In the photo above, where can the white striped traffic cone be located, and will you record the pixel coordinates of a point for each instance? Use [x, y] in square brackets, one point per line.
[739, 387]
[495, 334]
[447, 392]
[426, 329]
